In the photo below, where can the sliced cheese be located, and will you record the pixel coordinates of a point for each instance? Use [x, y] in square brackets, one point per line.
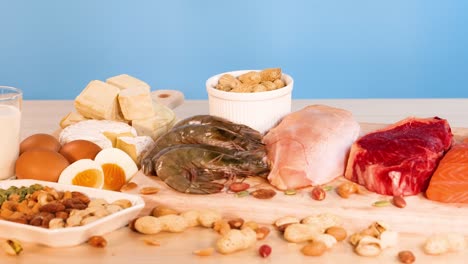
[135, 147]
[163, 120]
[98, 101]
[71, 118]
[101, 132]
[136, 103]
[124, 81]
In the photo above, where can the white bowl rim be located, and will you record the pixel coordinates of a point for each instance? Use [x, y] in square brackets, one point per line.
[256, 96]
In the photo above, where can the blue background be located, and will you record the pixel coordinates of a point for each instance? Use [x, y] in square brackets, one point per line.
[333, 49]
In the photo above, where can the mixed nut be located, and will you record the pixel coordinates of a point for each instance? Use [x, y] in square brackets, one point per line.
[47, 207]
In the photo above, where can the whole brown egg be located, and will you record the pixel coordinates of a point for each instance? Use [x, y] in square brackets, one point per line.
[79, 149]
[40, 141]
[45, 165]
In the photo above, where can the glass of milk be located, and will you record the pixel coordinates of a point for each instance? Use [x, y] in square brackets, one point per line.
[10, 119]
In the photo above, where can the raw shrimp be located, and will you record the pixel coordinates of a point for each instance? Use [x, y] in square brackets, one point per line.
[200, 134]
[221, 122]
[195, 168]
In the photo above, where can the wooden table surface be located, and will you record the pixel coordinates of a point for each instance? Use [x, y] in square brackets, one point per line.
[125, 246]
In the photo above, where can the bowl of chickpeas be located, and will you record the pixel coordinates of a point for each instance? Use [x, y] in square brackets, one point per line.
[256, 98]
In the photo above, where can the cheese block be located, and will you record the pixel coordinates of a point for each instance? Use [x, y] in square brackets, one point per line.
[136, 103]
[135, 147]
[102, 132]
[98, 101]
[125, 81]
[71, 118]
[163, 120]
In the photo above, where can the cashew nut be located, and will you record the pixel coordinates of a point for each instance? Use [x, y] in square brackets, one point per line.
[74, 220]
[123, 203]
[97, 202]
[56, 223]
[89, 219]
[113, 208]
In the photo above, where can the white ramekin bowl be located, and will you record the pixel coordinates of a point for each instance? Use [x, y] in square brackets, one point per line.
[259, 110]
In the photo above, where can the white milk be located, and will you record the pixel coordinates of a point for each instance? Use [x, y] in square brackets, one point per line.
[10, 118]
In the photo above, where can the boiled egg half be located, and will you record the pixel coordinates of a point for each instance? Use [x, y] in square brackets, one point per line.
[84, 172]
[118, 167]
[110, 170]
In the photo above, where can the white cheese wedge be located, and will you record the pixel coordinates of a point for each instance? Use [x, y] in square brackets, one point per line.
[98, 101]
[71, 118]
[102, 132]
[163, 120]
[124, 81]
[135, 147]
[136, 103]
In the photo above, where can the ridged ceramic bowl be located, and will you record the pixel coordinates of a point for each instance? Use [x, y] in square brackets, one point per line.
[259, 110]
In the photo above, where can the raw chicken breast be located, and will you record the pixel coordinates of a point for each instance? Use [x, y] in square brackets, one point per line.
[310, 146]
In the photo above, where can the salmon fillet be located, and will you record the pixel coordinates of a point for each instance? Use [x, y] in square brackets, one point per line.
[449, 183]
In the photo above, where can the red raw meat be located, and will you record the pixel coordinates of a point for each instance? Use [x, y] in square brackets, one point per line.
[399, 159]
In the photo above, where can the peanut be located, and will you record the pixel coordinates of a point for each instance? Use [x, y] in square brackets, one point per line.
[270, 74]
[406, 257]
[346, 189]
[162, 210]
[97, 241]
[399, 201]
[264, 251]
[315, 248]
[286, 220]
[251, 77]
[236, 240]
[318, 193]
[204, 252]
[222, 227]
[149, 190]
[236, 223]
[337, 232]
[262, 232]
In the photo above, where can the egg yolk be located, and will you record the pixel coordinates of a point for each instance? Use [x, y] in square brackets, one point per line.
[114, 176]
[88, 178]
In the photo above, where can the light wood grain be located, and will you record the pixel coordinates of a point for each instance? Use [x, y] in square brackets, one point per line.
[125, 246]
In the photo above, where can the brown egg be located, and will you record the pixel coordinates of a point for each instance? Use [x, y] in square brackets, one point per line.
[45, 165]
[40, 141]
[79, 149]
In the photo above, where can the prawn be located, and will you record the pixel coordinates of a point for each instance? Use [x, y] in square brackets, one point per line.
[199, 134]
[196, 168]
[221, 122]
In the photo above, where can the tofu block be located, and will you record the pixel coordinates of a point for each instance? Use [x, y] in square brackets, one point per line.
[71, 118]
[135, 147]
[125, 81]
[136, 103]
[98, 101]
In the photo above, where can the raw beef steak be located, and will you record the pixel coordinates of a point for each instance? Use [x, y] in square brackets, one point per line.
[399, 159]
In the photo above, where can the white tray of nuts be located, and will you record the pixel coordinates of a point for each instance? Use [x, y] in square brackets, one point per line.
[60, 215]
